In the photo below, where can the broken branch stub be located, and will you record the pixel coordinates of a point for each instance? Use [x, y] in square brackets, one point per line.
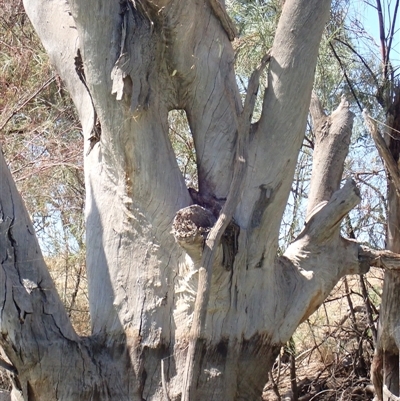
[382, 259]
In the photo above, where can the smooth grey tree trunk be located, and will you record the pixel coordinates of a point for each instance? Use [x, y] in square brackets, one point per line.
[188, 298]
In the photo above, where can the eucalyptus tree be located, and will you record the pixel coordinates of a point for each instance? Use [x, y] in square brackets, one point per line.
[188, 297]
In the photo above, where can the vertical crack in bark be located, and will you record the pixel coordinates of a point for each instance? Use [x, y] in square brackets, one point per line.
[3, 249]
[229, 243]
[196, 343]
[14, 262]
[96, 127]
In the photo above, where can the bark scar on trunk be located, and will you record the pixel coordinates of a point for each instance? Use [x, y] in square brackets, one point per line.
[96, 129]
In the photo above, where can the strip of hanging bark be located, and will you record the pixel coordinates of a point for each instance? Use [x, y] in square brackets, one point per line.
[164, 382]
[213, 239]
[384, 152]
[224, 18]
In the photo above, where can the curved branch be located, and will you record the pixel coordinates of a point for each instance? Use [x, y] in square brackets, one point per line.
[324, 220]
[348, 80]
[373, 76]
[26, 101]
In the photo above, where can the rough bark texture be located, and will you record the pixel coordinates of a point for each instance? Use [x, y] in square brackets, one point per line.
[385, 366]
[165, 327]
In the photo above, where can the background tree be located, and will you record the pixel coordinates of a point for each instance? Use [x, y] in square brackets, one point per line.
[193, 316]
[377, 89]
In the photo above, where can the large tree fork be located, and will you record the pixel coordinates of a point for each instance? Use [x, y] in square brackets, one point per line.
[152, 298]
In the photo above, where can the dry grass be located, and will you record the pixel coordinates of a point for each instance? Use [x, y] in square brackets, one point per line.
[333, 349]
[69, 275]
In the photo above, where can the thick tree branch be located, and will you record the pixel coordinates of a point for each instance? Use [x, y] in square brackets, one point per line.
[319, 257]
[214, 237]
[280, 131]
[324, 220]
[332, 140]
[24, 272]
[34, 323]
[58, 33]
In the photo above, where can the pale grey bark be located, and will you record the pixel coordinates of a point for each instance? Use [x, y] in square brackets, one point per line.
[142, 59]
[332, 140]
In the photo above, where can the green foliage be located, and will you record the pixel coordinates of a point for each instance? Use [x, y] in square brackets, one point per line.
[182, 142]
[257, 21]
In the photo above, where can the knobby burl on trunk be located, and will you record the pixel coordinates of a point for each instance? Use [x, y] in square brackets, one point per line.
[199, 312]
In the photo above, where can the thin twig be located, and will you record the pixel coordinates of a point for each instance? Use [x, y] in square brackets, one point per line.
[367, 302]
[164, 382]
[382, 37]
[275, 387]
[392, 29]
[345, 75]
[293, 378]
[32, 96]
[361, 58]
